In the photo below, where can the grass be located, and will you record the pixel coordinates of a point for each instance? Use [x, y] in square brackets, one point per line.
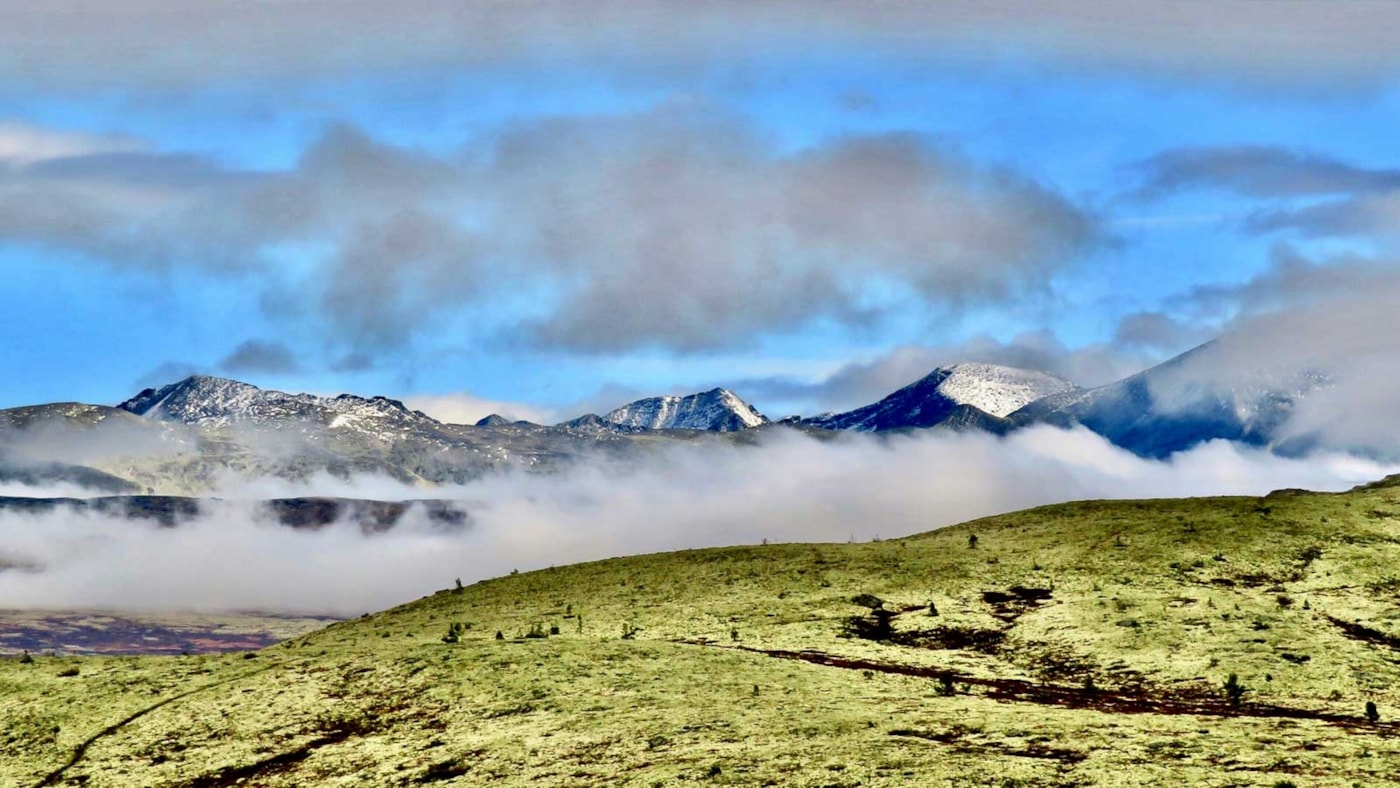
[1082, 644]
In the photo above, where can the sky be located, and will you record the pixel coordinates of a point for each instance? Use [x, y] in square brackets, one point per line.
[548, 208]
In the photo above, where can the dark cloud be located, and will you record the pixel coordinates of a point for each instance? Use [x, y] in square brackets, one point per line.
[1366, 215]
[1158, 331]
[1291, 279]
[258, 356]
[1310, 194]
[101, 43]
[1258, 171]
[168, 372]
[680, 228]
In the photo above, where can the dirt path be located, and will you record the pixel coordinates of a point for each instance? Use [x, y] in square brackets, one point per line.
[53, 777]
[1073, 697]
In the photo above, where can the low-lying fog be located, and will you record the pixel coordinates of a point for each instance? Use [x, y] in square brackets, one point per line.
[791, 488]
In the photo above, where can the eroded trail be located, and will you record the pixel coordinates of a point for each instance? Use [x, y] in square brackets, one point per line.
[1072, 697]
[80, 751]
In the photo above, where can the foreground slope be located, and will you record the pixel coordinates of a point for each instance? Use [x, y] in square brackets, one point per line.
[1082, 644]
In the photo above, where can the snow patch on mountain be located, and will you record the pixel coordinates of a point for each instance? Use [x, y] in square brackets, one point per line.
[998, 390]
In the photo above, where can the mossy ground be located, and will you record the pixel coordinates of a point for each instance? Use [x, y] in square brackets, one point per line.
[1153, 602]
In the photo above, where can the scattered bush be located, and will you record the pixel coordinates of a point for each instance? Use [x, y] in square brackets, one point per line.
[1235, 691]
[26, 659]
[454, 632]
[1372, 713]
[500, 635]
[945, 684]
[972, 541]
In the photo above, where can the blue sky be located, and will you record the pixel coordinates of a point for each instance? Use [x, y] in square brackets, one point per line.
[436, 263]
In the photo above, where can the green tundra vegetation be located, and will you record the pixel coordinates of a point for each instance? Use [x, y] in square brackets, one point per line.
[1224, 641]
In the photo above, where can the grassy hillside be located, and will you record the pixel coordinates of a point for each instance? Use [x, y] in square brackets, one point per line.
[1083, 644]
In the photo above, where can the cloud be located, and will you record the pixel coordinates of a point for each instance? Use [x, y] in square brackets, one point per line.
[167, 372]
[1307, 193]
[93, 44]
[255, 356]
[1303, 326]
[1258, 171]
[1290, 279]
[680, 227]
[22, 144]
[789, 488]
[1158, 331]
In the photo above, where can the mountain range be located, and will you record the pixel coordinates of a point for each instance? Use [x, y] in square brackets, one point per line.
[195, 435]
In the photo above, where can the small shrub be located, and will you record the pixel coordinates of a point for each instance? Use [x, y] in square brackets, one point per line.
[68, 673]
[554, 630]
[734, 634]
[500, 635]
[454, 632]
[26, 659]
[629, 632]
[1235, 691]
[1372, 713]
[458, 588]
[972, 541]
[945, 684]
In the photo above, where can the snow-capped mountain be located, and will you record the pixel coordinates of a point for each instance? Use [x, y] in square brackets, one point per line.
[211, 402]
[1195, 397]
[971, 395]
[716, 410]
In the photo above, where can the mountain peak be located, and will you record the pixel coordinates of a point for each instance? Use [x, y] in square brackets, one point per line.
[945, 394]
[716, 410]
[210, 400]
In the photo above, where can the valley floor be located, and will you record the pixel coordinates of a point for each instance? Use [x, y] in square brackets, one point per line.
[1083, 644]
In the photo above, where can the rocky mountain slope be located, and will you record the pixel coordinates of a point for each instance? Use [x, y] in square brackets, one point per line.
[716, 410]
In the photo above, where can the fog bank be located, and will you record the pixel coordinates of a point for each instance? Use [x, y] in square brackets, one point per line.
[790, 488]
